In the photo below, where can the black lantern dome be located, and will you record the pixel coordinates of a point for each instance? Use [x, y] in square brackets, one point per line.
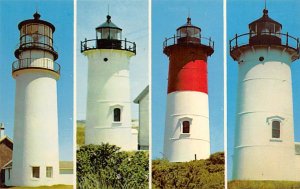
[265, 30]
[36, 34]
[188, 32]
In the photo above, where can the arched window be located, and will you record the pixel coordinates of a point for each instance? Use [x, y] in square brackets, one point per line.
[117, 115]
[275, 129]
[185, 127]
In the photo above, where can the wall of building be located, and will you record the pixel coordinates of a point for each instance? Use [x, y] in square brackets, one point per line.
[6, 148]
[144, 123]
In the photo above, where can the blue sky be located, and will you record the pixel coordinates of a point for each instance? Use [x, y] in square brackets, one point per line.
[167, 16]
[60, 14]
[132, 17]
[239, 15]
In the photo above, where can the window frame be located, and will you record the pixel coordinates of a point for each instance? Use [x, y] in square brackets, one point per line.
[32, 172]
[276, 132]
[281, 121]
[112, 108]
[51, 175]
[117, 116]
[181, 123]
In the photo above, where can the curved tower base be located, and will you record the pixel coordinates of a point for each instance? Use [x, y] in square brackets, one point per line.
[180, 145]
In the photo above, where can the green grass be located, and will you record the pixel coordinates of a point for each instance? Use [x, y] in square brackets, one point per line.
[263, 185]
[47, 187]
[80, 132]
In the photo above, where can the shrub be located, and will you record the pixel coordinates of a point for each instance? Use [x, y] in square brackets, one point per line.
[104, 166]
[204, 174]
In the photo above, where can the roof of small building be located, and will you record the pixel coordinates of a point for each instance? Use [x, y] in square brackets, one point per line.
[6, 137]
[66, 165]
[7, 165]
[297, 148]
[141, 95]
[62, 165]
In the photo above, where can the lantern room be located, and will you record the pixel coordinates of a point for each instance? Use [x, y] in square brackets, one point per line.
[188, 33]
[265, 30]
[108, 35]
[36, 34]
[109, 30]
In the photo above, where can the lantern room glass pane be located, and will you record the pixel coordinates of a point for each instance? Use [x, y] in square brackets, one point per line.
[109, 33]
[36, 35]
[188, 32]
[105, 33]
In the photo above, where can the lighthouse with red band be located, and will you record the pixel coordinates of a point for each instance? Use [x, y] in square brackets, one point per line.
[187, 117]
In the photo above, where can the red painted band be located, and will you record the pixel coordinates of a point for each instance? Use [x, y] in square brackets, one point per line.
[191, 77]
[187, 70]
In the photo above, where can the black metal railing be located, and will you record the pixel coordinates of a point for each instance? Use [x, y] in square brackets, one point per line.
[41, 63]
[245, 39]
[108, 44]
[188, 40]
[34, 44]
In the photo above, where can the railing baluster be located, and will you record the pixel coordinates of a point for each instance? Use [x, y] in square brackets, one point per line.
[287, 38]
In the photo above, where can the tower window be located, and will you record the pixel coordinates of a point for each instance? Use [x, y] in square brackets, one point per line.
[117, 115]
[185, 127]
[49, 172]
[35, 172]
[276, 129]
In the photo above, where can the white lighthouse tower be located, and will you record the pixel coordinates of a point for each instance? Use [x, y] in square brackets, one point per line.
[35, 153]
[264, 136]
[108, 117]
[187, 117]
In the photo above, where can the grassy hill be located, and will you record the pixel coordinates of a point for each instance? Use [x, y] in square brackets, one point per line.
[199, 174]
[46, 187]
[80, 132]
[263, 185]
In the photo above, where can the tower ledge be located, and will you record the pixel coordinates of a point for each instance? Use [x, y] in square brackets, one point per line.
[92, 44]
[36, 64]
[242, 43]
[205, 43]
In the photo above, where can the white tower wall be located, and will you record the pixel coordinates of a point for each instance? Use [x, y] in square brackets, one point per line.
[36, 127]
[108, 88]
[191, 106]
[264, 95]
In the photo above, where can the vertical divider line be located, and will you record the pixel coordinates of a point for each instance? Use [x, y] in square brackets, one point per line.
[225, 86]
[150, 88]
[74, 92]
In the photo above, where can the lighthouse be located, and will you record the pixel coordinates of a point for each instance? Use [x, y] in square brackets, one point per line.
[108, 114]
[187, 116]
[35, 152]
[264, 146]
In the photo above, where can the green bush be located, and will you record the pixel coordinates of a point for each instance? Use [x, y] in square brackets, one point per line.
[199, 174]
[105, 166]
